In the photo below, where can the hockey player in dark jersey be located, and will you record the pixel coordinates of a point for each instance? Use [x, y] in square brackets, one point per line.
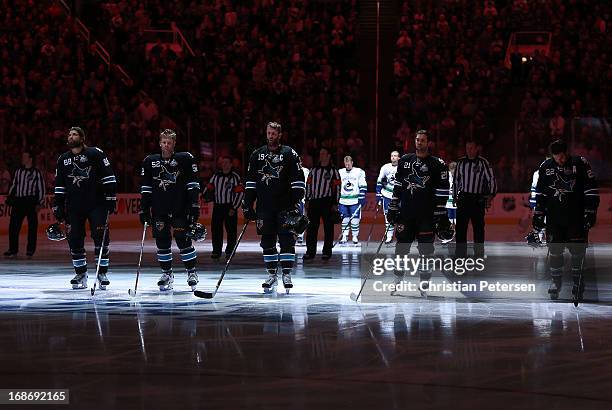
[170, 200]
[275, 181]
[418, 205]
[85, 190]
[567, 198]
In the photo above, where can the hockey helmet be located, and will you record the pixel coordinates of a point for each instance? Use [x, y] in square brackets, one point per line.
[55, 232]
[197, 232]
[294, 222]
[447, 234]
[533, 239]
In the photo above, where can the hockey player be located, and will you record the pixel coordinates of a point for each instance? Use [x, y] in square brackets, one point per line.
[566, 204]
[275, 182]
[384, 189]
[417, 208]
[85, 190]
[169, 199]
[352, 199]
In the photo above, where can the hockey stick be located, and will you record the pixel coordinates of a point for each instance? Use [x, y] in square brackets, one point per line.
[577, 298]
[93, 290]
[210, 295]
[348, 224]
[144, 232]
[372, 227]
[355, 297]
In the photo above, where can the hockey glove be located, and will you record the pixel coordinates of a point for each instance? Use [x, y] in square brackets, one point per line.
[590, 217]
[538, 221]
[379, 199]
[194, 215]
[59, 214]
[145, 216]
[249, 213]
[393, 212]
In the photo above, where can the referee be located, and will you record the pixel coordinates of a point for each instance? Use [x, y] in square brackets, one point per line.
[322, 197]
[226, 191]
[473, 188]
[27, 192]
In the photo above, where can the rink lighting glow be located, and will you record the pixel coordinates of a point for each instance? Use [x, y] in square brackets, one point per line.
[481, 286]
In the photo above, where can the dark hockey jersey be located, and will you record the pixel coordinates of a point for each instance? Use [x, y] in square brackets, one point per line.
[421, 186]
[564, 193]
[169, 186]
[274, 179]
[84, 181]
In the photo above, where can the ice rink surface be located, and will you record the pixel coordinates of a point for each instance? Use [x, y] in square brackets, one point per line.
[312, 348]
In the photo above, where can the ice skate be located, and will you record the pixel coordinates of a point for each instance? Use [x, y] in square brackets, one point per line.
[389, 240]
[79, 281]
[192, 279]
[343, 240]
[555, 288]
[287, 282]
[397, 279]
[270, 284]
[300, 241]
[355, 241]
[424, 287]
[165, 281]
[103, 281]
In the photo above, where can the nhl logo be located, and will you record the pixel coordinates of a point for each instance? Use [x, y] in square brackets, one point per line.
[173, 163]
[83, 158]
[159, 225]
[400, 228]
[424, 168]
[259, 223]
[276, 159]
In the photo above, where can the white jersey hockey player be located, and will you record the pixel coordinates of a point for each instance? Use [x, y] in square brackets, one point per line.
[384, 189]
[352, 198]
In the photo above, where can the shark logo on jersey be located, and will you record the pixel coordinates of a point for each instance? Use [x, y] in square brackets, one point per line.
[415, 181]
[79, 174]
[561, 186]
[269, 172]
[166, 178]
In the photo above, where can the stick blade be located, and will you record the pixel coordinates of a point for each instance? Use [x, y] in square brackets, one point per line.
[353, 297]
[92, 290]
[202, 294]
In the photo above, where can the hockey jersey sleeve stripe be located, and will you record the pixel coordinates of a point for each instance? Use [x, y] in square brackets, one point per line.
[251, 185]
[111, 198]
[60, 190]
[108, 177]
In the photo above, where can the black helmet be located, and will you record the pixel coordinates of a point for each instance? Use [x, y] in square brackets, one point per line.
[55, 232]
[446, 235]
[197, 232]
[294, 222]
[533, 239]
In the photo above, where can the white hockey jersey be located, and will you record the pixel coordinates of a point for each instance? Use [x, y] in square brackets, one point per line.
[354, 186]
[386, 180]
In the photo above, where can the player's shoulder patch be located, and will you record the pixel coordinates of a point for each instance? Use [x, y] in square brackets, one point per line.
[584, 160]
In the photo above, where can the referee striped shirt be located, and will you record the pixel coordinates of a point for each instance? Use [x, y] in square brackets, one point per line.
[228, 188]
[323, 182]
[474, 176]
[28, 182]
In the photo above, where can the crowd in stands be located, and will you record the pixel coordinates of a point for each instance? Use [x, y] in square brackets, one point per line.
[296, 60]
[451, 77]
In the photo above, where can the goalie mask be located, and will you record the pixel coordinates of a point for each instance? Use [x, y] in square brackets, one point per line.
[55, 232]
[294, 222]
[197, 232]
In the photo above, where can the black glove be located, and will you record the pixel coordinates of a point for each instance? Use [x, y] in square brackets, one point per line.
[538, 221]
[590, 217]
[194, 215]
[145, 216]
[393, 212]
[441, 222]
[111, 205]
[249, 213]
[59, 213]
